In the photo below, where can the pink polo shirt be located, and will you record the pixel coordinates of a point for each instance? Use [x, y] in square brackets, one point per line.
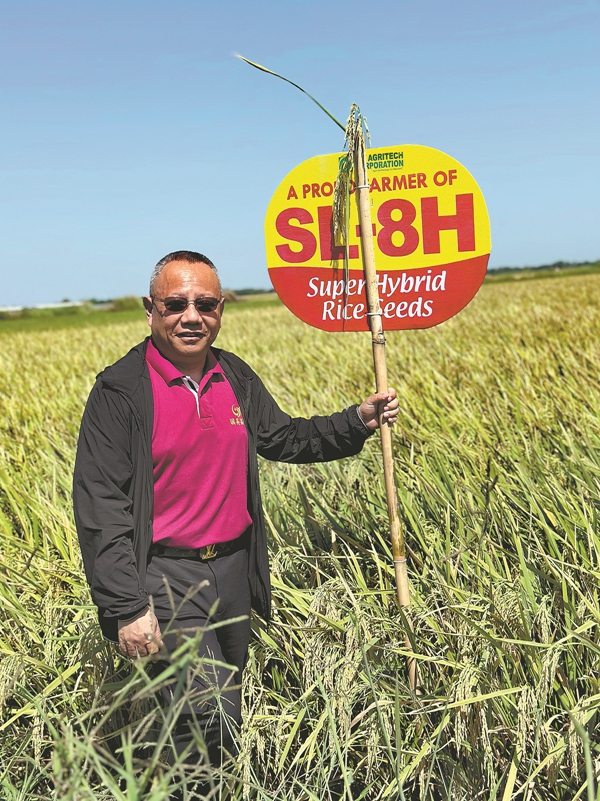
[200, 456]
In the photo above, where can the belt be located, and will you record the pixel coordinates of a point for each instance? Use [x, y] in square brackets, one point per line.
[204, 553]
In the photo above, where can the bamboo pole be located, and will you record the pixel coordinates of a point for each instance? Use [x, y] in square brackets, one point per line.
[354, 138]
[381, 382]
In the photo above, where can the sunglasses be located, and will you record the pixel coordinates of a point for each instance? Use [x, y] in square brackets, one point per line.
[178, 305]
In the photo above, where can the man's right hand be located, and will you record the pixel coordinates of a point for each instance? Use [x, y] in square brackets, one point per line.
[140, 636]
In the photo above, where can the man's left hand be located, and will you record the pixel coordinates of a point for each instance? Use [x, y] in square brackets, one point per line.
[369, 409]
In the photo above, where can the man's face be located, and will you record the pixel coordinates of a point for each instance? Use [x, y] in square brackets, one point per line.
[184, 338]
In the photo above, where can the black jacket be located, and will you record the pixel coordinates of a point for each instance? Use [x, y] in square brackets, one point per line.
[113, 480]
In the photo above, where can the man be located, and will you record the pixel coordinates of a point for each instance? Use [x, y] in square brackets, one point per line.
[166, 484]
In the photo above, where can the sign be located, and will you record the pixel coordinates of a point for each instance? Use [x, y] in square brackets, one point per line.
[431, 238]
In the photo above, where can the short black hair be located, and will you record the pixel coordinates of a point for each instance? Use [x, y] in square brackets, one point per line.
[190, 256]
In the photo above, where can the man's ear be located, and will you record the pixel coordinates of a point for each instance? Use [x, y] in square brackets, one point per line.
[148, 307]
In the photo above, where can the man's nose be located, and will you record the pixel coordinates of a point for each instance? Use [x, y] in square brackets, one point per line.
[191, 314]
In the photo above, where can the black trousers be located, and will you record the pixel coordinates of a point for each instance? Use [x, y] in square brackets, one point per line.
[227, 595]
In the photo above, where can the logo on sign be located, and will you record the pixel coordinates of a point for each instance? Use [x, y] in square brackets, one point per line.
[387, 160]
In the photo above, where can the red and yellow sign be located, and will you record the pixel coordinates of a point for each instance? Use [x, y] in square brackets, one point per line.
[431, 237]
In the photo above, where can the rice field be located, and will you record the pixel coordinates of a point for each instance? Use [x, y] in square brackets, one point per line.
[498, 472]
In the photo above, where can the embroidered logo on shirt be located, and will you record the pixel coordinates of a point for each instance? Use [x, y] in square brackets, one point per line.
[237, 420]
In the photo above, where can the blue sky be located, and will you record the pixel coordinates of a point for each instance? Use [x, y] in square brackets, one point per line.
[128, 130]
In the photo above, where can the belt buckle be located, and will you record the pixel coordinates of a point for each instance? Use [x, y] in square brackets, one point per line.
[210, 551]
